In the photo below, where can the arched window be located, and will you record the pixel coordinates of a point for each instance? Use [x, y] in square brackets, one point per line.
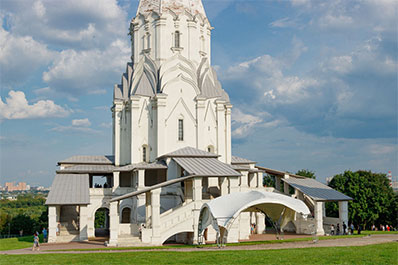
[177, 39]
[180, 130]
[126, 213]
[145, 153]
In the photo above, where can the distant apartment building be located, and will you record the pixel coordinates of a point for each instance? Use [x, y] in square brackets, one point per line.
[11, 186]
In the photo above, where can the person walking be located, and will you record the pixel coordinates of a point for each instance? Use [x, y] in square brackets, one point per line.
[352, 228]
[36, 245]
[332, 229]
[44, 231]
[338, 229]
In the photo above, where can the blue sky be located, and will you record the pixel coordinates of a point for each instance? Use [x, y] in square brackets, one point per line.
[313, 83]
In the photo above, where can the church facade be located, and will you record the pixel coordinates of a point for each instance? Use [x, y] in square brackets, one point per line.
[171, 148]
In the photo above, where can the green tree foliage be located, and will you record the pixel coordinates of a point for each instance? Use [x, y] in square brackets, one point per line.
[306, 173]
[27, 213]
[100, 218]
[374, 201]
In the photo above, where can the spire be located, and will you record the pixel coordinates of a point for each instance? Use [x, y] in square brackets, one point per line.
[177, 6]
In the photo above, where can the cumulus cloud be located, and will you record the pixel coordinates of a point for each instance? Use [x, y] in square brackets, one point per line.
[81, 122]
[77, 125]
[243, 123]
[78, 72]
[20, 56]
[17, 107]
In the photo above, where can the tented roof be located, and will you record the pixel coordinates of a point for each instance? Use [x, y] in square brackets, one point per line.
[223, 210]
[72, 189]
[316, 190]
[205, 166]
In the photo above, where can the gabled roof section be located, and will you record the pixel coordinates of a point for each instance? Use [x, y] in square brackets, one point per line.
[316, 190]
[241, 160]
[69, 189]
[89, 160]
[143, 165]
[205, 166]
[190, 152]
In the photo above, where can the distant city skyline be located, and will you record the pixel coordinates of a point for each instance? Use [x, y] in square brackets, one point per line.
[313, 83]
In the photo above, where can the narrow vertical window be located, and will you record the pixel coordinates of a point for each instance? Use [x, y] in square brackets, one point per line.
[180, 130]
[144, 158]
[177, 39]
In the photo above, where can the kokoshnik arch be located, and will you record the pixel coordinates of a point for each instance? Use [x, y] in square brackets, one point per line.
[172, 172]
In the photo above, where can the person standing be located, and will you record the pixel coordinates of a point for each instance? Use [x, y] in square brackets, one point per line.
[332, 229]
[338, 229]
[352, 228]
[36, 245]
[44, 231]
[344, 229]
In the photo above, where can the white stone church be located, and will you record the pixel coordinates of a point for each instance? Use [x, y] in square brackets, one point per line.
[172, 175]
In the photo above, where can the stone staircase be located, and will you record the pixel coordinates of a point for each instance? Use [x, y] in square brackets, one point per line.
[129, 241]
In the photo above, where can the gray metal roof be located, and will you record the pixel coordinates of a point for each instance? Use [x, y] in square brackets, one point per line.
[92, 169]
[240, 160]
[155, 165]
[72, 189]
[205, 166]
[98, 160]
[190, 152]
[316, 190]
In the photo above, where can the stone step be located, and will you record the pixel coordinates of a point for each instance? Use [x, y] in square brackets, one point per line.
[129, 241]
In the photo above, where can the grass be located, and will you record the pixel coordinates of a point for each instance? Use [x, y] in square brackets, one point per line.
[372, 254]
[17, 242]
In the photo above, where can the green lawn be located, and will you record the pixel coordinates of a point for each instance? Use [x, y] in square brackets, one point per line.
[17, 242]
[373, 254]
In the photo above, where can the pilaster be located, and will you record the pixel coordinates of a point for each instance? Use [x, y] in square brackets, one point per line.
[221, 141]
[200, 113]
[135, 132]
[228, 148]
[118, 115]
[83, 222]
[260, 178]
[155, 217]
[161, 123]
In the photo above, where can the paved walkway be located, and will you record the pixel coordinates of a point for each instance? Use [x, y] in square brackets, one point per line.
[335, 242]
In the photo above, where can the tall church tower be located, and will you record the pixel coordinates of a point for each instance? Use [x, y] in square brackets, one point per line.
[169, 96]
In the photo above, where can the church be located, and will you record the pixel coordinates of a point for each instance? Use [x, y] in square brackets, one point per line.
[172, 176]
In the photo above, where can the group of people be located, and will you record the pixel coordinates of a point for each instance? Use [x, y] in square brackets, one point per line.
[383, 228]
[36, 239]
[346, 230]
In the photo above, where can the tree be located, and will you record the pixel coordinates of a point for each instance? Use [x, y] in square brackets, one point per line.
[374, 201]
[306, 173]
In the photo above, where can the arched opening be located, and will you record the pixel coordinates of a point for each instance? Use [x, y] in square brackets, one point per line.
[126, 214]
[180, 238]
[101, 223]
[210, 149]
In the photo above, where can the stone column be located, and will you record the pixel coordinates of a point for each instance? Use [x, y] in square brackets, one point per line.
[228, 147]
[260, 223]
[148, 209]
[197, 198]
[116, 180]
[318, 218]
[285, 185]
[118, 116]
[114, 224]
[161, 124]
[83, 222]
[221, 141]
[223, 182]
[343, 213]
[260, 178]
[53, 216]
[233, 184]
[200, 113]
[244, 181]
[141, 179]
[134, 130]
[155, 215]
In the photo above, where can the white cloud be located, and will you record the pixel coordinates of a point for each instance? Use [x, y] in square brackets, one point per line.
[77, 72]
[77, 125]
[335, 21]
[17, 107]
[283, 23]
[106, 124]
[81, 122]
[20, 57]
